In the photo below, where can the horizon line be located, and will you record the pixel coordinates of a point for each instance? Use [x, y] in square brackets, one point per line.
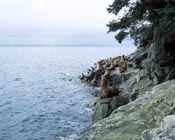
[56, 45]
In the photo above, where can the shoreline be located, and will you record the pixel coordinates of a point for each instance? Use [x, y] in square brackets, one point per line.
[127, 116]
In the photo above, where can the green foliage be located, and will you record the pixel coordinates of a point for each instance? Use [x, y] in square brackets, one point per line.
[128, 24]
[166, 22]
[141, 18]
[117, 6]
[120, 36]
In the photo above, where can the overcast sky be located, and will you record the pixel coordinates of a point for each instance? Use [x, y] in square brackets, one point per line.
[50, 22]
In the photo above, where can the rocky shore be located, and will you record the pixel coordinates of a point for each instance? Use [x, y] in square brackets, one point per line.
[144, 109]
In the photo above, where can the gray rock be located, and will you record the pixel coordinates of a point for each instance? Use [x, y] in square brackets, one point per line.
[103, 108]
[138, 58]
[137, 81]
[171, 74]
[141, 84]
[117, 102]
[161, 62]
[166, 130]
[146, 64]
[130, 64]
[134, 96]
[128, 122]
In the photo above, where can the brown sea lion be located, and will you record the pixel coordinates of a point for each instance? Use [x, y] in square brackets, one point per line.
[116, 62]
[118, 57]
[101, 61]
[110, 67]
[107, 92]
[123, 67]
[89, 76]
[124, 57]
[82, 76]
[106, 75]
[107, 64]
[94, 81]
[97, 67]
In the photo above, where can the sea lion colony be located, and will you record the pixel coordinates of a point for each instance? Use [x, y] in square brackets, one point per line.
[103, 68]
[100, 73]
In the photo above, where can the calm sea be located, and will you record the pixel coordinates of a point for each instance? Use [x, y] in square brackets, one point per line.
[41, 97]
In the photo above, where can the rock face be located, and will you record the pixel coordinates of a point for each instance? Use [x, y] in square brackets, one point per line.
[103, 108]
[136, 120]
[161, 61]
[166, 130]
[130, 82]
[143, 110]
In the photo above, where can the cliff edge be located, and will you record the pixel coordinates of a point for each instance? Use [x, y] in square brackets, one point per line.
[145, 108]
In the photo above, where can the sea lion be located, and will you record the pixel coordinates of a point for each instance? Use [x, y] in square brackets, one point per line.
[107, 92]
[107, 64]
[116, 62]
[89, 76]
[101, 61]
[106, 75]
[123, 67]
[97, 67]
[94, 81]
[82, 77]
[110, 67]
[118, 57]
[123, 58]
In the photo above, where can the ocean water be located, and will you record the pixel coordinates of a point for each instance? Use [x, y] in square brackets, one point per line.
[41, 97]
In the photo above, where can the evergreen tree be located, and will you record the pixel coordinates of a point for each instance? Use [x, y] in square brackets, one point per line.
[140, 17]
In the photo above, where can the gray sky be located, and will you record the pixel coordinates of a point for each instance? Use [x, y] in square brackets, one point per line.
[49, 22]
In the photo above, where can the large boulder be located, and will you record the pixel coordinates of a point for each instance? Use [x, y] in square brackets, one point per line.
[103, 108]
[128, 122]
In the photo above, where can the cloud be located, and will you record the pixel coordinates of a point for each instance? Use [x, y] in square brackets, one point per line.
[54, 21]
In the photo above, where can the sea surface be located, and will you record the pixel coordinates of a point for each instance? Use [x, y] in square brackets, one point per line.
[41, 97]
